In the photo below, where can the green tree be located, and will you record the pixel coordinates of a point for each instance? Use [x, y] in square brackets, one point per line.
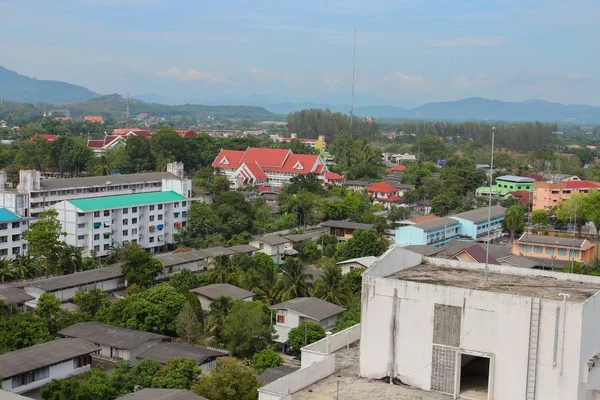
[140, 268]
[242, 261]
[332, 287]
[222, 270]
[514, 220]
[184, 280]
[70, 259]
[309, 252]
[266, 359]
[301, 204]
[305, 333]
[219, 310]
[188, 326]
[295, 281]
[573, 210]
[90, 301]
[540, 218]
[44, 236]
[7, 270]
[363, 243]
[446, 202]
[264, 280]
[307, 182]
[231, 379]
[139, 155]
[22, 330]
[145, 371]
[430, 148]
[247, 328]
[178, 373]
[592, 213]
[48, 308]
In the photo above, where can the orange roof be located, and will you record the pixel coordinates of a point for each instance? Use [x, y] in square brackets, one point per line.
[63, 119]
[45, 136]
[382, 187]
[332, 176]
[124, 131]
[422, 218]
[93, 118]
[397, 168]
[269, 160]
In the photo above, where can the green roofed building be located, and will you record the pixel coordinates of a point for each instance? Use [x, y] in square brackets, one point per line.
[149, 219]
[507, 183]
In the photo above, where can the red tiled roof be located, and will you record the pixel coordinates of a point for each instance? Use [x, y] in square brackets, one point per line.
[47, 137]
[266, 157]
[319, 169]
[124, 131]
[397, 168]
[581, 185]
[93, 118]
[185, 134]
[96, 144]
[108, 139]
[255, 169]
[141, 132]
[232, 157]
[537, 177]
[297, 163]
[268, 160]
[332, 176]
[382, 187]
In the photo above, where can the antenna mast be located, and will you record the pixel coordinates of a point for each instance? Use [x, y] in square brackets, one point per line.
[353, 74]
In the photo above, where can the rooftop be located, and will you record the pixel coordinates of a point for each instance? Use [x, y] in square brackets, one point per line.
[555, 241]
[184, 257]
[273, 240]
[516, 179]
[218, 251]
[346, 225]
[126, 200]
[115, 336]
[382, 187]
[163, 352]
[13, 295]
[89, 181]
[8, 216]
[364, 261]
[44, 354]
[77, 279]
[272, 374]
[243, 248]
[217, 290]
[436, 223]
[311, 307]
[481, 214]
[162, 394]
[424, 249]
[547, 286]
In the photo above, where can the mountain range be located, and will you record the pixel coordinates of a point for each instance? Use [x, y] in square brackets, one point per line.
[20, 88]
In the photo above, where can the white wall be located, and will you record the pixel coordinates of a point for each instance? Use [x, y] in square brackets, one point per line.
[58, 371]
[292, 320]
[590, 347]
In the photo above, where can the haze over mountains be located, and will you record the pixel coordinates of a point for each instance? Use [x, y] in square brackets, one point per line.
[20, 88]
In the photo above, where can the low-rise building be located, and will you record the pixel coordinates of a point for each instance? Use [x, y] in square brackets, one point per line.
[475, 224]
[554, 248]
[162, 394]
[435, 232]
[115, 343]
[204, 357]
[356, 263]
[385, 194]
[33, 367]
[547, 195]
[11, 234]
[15, 297]
[148, 219]
[293, 312]
[505, 184]
[344, 229]
[209, 293]
[272, 245]
[357, 185]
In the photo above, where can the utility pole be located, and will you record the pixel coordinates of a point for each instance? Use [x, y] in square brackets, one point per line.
[487, 245]
[353, 75]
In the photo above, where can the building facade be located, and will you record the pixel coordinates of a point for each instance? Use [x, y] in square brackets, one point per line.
[148, 219]
[474, 223]
[547, 195]
[507, 183]
[11, 234]
[554, 248]
[441, 325]
[435, 232]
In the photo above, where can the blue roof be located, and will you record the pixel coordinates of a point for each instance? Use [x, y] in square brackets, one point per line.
[513, 178]
[6, 215]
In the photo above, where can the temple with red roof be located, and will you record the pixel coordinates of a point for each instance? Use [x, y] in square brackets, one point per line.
[44, 136]
[93, 118]
[269, 169]
[119, 136]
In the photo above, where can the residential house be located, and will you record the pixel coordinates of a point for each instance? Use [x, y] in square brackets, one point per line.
[204, 357]
[385, 194]
[547, 195]
[505, 184]
[117, 138]
[194, 260]
[209, 293]
[148, 219]
[268, 169]
[272, 245]
[272, 374]
[11, 234]
[344, 229]
[404, 157]
[32, 367]
[116, 343]
[15, 297]
[292, 312]
[474, 223]
[162, 394]
[356, 263]
[333, 178]
[523, 197]
[132, 132]
[474, 254]
[435, 232]
[357, 185]
[554, 248]
[397, 168]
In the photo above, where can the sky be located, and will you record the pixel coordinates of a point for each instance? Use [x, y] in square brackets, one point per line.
[408, 52]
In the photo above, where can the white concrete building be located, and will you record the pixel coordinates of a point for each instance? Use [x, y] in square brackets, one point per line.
[436, 325]
[204, 357]
[35, 194]
[115, 343]
[149, 219]
[209, 293]
[33, 367]
[356, 263]
[293, 312]
[273, 245]
[11, 234]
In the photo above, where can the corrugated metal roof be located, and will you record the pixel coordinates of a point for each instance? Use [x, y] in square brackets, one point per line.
[77, 279]
[14, 296]
[346, 224]
[126, 200]
[114, 336]
[311, 307]
[217, 290]
[481, 214]
[90, 181]
[162, 394]
[163, 352]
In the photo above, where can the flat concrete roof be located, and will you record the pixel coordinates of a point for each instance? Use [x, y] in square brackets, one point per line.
[474, 279]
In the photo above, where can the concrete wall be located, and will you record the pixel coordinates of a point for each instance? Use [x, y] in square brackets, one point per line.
[590, 348]
[410, 235]
[393, 260]
[292, 320]
[58, 371]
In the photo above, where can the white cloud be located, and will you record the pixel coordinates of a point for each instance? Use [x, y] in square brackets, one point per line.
[464, 82]
[476, 41]
[192, 75]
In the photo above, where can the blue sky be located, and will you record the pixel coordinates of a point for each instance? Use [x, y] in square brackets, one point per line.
[408, 51]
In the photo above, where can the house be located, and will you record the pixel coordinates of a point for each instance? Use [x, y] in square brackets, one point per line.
[357, 185]
[14, 297]
[523, 197]
[118, 137]
[404, 157]
[333, 178]
[204, 357]
[43, 136]
[32, 367]
[93, 118]
[474, 254]
[356, 263]
[272, 245]
[292, 312]
[417, 219]
[554, 248]
[397, 168]
[34, 194]
[209, 293]
[425, 249]
[194, 260]
[344, 229]
[269, 169]
[474, 223]
[11, 234]
[244, 248]
[547, 195]
[505, 184]
[148, 219]
[467, 332]
[313, 234]
[435, 232]
[162, 394]
[116, 343]
[385, 194]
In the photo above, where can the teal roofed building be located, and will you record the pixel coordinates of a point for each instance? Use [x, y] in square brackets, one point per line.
[12, 227]
[99, 223]
[507, 183]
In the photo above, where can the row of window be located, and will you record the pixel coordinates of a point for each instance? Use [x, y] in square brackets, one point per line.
[551, 251]
[484, 226]
[135, 209]
[15, 238]
[14, 225]
[94, 189]
[15, 251]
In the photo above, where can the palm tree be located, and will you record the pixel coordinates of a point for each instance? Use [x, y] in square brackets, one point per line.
[103, 166]
[222, 270]
[514, 219]
[116, 253]
[219, 310]
[331, 286]
[71, 259]
[264, 282]
[294, 281]
[7, 270]
[24, 266]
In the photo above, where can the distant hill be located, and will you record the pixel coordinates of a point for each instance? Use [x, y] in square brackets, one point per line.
[20, 88]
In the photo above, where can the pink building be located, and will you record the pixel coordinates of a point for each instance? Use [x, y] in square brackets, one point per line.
[554, 248]
[550, 194]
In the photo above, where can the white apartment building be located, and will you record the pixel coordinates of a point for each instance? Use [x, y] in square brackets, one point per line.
[11, 234]
[35, 194]
[511, 333]
[149, 219]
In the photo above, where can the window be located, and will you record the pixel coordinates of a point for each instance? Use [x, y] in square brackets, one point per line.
[125, 221]
[3, 226]
[176, 215]
[3, 252]
[151, 208]
[134, 220]
[160, 217]
[184, 214]
[134, 231]
[3, 239]
[97, 214]
[562, 252]
[280, 319]
[184, 224]
[82, 361]
[16, 250]
[549, 251]
[81, 225]
[125, 232]
[106, 247]
[16, 238]
[523, 248]
[575, 253]
[160, 206]
[80, 214]
[107, 236]
[151, 239]
[97, 248]
[97, 236]
[537, 249]
[152, 218]
[133, 209]
[106, 213]
[31, 376]
[81, 237]
[16, 224]
[126, 211]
